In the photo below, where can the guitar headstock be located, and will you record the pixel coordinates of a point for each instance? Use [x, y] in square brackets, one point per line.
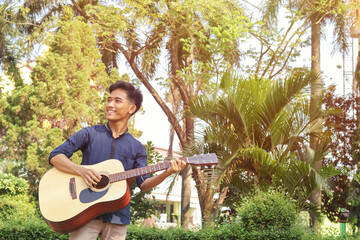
[203, 159]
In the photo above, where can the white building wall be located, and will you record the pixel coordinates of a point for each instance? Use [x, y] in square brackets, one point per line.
[161, 192]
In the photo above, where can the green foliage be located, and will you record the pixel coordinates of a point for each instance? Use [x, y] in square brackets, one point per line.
[153, 157]
[268, 215]
[28, 229]
[72, 78]
[12, 185]
[16, 208]
[15, 204]
[65, 94]
[207, 28]
[141, 207]
[11, 39]
[353, 200]
[35, 229]
[224, 232]
[260, 128]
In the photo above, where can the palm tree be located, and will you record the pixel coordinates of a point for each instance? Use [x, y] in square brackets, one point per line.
[316, 13]
[261, 129]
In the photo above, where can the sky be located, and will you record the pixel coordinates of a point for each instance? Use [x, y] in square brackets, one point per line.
[154, 123]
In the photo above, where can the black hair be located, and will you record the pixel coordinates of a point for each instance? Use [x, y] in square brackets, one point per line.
[133, 94]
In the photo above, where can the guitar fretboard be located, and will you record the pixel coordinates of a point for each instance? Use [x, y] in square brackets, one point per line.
[138, 172]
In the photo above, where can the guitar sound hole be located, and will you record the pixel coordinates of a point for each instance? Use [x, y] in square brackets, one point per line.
[103, 182]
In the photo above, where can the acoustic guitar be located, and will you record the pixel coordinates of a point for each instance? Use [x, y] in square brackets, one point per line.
[67, 203]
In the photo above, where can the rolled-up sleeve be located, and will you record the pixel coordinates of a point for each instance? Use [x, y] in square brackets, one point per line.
[71, 145]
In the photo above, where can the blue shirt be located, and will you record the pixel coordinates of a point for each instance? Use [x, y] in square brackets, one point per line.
[98, 144]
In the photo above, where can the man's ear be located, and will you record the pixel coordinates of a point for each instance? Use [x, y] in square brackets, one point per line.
[132, 109]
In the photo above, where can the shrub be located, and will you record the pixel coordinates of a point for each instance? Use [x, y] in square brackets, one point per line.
[12, 185]
[16, 208]
[36, 229]
[269, 215]
[29, 229]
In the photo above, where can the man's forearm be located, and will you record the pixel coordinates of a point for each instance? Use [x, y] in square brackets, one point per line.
[149, 183]
[64, 164]
[152, 182]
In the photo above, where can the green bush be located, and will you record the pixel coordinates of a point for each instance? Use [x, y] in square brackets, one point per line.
[229, 231]
[269, 215]
[29, 229]
[266, 215]
[16, 208]
[36, 229]
[12, 185]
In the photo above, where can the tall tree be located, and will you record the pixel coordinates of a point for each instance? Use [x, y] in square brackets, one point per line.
[318, 12]
[315, 198]
[194, 35]
[66, 93]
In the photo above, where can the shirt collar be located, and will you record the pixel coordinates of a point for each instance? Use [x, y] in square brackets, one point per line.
[107, 126]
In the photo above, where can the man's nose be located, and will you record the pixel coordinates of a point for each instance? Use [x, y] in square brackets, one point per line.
[110, 103]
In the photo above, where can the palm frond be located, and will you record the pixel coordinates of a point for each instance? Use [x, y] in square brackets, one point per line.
[341, 33]
[289, 123]
[311, 208]
[263, 129]
[270, 11]
[282, 93]
[267, 163]
[43, 10]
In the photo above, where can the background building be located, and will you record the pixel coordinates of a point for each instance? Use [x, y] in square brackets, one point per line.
[168, 204]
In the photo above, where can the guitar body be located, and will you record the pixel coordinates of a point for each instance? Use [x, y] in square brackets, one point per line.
[67, 203]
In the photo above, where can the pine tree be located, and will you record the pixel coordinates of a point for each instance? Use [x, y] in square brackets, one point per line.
[68, 86]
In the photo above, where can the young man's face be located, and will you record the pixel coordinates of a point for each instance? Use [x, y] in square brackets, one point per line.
[118, 107]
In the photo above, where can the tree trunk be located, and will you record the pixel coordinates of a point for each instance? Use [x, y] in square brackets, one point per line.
[186, 178]
[185, 133]
[185, 197]
[315, 198]
[188, 127]
[183, 137]
[209, 207]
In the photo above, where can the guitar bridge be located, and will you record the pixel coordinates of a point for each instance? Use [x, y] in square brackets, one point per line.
[72, 188]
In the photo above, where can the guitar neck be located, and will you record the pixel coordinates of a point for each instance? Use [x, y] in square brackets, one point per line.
[138, 172]
[197, 160]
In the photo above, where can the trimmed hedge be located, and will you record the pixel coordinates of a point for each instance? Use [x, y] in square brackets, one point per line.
[36, 229]
[224, 232]
[266, 215]
[28, 230]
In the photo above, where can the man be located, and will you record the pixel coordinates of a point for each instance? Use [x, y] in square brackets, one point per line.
[110, 141]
